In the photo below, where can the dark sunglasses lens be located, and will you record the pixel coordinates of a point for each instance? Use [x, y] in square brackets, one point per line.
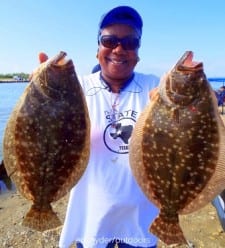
[109, 41]
[130, 43]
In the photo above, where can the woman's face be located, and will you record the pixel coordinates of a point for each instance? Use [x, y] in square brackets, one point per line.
[117, 64]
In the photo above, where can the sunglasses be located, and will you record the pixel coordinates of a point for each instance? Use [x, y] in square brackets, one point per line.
[127, 43]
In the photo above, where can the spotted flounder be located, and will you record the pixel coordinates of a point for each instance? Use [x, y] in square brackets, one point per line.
[177, 150]
[47, 139]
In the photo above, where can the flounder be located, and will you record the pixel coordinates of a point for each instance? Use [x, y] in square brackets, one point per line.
[47, 139]
[177, 148]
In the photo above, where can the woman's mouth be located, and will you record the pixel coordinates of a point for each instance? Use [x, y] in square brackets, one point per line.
[116, 61]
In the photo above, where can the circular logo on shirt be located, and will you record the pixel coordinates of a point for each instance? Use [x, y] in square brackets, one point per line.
[117, 135]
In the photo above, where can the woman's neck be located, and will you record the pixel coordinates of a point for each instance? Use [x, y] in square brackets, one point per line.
[116, 85]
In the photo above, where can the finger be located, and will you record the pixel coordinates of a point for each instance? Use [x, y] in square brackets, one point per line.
[42, 57]
[153, 92]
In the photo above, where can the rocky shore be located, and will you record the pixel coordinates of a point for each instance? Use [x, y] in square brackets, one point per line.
[13, 208]
[201, 228]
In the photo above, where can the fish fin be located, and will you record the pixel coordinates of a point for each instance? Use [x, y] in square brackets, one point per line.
[168, 231]
[41, 220]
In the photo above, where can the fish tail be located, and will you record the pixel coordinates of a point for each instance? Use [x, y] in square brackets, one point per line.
[168, 230]
[40, 219]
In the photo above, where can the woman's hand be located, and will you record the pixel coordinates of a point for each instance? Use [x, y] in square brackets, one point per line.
[153, 93]
[42, 57]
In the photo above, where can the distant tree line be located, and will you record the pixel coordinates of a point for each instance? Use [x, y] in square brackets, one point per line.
[22, 75]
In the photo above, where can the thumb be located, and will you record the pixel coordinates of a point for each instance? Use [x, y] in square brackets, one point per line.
[42, 57]
[153, 93]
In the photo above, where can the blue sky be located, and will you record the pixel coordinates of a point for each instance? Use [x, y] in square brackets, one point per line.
[170, 28]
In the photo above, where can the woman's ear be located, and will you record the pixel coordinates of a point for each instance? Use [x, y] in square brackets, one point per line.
[97, 53]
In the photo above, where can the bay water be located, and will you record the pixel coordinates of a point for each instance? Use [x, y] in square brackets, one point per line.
[9, 95]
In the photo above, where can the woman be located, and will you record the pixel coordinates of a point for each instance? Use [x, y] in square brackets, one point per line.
[107, 208]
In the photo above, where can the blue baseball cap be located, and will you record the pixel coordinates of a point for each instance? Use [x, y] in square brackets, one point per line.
[122, 15]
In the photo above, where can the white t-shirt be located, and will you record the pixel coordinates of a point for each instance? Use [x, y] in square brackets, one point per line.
[107, 203]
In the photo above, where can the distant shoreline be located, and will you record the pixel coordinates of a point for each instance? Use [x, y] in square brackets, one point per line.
[13, 81]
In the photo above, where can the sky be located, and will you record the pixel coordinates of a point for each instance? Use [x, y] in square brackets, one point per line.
[170, 28]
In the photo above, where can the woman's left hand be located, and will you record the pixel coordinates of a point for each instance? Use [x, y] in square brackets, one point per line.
[152, 93]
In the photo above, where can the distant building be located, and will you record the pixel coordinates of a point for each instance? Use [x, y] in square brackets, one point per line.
[17, 78]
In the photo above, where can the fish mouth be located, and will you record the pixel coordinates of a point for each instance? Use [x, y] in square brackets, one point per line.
[186, 63]
[61, 61]
[185, 80]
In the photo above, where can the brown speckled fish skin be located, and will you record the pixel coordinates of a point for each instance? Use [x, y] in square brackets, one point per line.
[47, 139]
[177, 148]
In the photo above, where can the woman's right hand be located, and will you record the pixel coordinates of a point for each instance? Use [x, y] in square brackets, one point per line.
[152, 93]
[42, 57]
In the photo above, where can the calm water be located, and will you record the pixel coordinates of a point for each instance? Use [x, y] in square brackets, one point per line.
[9, 95]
